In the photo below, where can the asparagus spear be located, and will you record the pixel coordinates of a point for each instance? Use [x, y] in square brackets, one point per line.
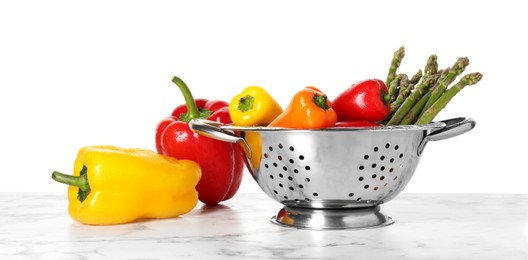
[404, 93]
[417, 109]
[431, 67]
[411, 100]
[402, 86]
[441, 102]
[394, 85]
[413, 114]
[457, 69]
[395, 64]
[416, 77]
[405, 90]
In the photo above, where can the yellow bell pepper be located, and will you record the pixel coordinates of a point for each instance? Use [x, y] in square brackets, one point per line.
[113, 185]
[253, 107]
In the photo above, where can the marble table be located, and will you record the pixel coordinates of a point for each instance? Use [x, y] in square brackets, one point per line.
[428, 226]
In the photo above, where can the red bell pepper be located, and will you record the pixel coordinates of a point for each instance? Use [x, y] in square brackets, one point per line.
[365, 100]
[222, 163]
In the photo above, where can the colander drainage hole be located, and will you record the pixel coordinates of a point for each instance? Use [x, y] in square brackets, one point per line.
[274, 191]
[307, 179]
[291, 188]
[290, 178]
[315, 194]
[280, 175]
[351, 194]
[361, 178]
[280, 185]
[271, 176]
[301, 186]
[280, 146]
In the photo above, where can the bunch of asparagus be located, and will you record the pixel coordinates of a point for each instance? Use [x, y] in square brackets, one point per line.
[417, 100]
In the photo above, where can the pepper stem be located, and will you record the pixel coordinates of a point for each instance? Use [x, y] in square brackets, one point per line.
[80, 181]
[192, 110]
[320, 101]
[385, 97]
[245, 103]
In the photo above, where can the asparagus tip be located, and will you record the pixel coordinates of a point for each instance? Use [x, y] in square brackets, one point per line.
[400, 53]
[474, 77]
[462, 62]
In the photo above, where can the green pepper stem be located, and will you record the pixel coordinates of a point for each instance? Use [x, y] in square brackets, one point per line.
[320, 101]
[77, 181]
[245, 103]
[192, 109]
[80, 181]
[386, 98]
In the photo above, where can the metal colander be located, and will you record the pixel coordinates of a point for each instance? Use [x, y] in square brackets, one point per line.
[337, 177]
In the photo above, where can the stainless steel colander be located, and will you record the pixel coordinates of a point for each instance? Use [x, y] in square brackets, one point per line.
[333, 178]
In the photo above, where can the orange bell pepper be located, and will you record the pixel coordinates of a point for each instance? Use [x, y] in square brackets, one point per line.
[309, 109]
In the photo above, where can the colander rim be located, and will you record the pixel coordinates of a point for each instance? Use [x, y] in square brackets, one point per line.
[430, 126]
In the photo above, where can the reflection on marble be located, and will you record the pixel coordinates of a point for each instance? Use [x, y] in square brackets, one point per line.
[428, 226]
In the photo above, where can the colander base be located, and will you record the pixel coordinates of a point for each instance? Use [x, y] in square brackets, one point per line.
[324, 219]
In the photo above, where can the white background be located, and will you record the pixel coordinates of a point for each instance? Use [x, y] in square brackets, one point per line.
[76, 73]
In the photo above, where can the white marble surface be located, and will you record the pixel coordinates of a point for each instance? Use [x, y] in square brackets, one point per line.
[428, 226]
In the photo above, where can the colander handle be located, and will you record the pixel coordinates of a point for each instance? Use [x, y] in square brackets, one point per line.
[452, 128]
[212, 130]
